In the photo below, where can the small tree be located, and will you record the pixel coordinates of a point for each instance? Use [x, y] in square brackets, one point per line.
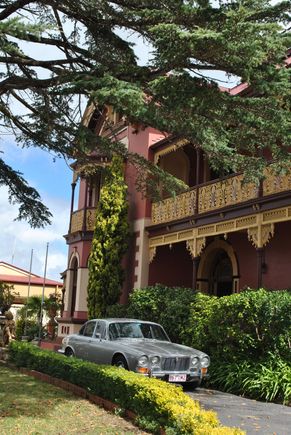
[110, 242]
[7, 296]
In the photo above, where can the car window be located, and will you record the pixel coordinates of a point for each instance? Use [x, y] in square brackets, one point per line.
[136, 330]
[97, 330]
[103, 329]
[124, 330]
[100, 329]
[89, 329]
[158, 333]
[81, 332]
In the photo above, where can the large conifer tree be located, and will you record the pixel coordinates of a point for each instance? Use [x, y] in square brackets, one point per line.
[92, 58]
[110, 242]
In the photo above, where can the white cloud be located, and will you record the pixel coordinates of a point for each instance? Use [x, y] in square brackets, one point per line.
[10, 149]
[17, 239]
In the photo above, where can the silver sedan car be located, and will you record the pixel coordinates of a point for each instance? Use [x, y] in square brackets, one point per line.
[143, 347]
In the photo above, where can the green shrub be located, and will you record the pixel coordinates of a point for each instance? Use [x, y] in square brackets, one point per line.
[117, 311]
[156, 404]
[32, 328]
[247, 325]
[7, 296]
[267, 380]
[169, 306]
[240, 332]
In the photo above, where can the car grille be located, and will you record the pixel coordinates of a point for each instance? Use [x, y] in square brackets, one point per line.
[175, 364]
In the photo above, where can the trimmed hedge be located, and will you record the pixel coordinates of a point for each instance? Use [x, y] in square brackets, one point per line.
[157, 404]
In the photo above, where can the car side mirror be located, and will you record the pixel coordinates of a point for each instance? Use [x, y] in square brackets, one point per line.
[98, 335]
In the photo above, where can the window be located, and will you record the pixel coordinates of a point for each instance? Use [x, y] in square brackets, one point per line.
[100, 330]
[136, 330]
[89, 329]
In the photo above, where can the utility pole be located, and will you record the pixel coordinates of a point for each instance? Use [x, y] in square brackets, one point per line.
[28, 291]
[42, 297]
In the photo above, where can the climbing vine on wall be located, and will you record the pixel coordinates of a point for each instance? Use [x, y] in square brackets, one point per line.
[110, 242]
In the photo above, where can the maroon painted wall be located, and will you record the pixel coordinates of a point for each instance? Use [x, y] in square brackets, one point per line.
[278, 258]
[172, 267]
[246, 256]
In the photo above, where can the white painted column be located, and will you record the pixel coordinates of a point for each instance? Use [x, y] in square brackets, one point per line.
[82, 284]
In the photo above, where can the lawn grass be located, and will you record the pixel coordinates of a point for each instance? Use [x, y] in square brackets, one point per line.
[31, 407]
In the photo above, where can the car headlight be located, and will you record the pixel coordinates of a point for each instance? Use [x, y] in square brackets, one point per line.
[194, 361]
[205, 361]
[143, 361]
[155, 360]
[65, 341]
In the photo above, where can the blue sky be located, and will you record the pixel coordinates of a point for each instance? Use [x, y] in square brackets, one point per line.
[52, 178]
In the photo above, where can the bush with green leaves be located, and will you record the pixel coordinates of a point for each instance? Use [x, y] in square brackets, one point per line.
[110, 242]
[29, 328]
[247, 325]
[269, 379]
[28, 316]
[156, 404]
[247, 335]
[7, 296]
[169, 306]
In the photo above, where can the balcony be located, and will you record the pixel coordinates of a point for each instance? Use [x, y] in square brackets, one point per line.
[83, 220]
[217, 195]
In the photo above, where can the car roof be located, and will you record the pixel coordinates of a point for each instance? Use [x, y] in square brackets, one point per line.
[123, 320]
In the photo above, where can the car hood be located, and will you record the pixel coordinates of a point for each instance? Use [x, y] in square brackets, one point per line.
[156, 347]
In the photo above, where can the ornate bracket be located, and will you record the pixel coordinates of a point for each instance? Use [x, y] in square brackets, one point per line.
[170, 148]
[195, 246]
[259, 236]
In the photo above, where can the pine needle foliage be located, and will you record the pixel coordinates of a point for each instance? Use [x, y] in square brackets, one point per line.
[110, 242]
[194, 46]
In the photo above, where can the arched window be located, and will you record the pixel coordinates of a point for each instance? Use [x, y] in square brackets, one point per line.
[218, 271]
[221, 275]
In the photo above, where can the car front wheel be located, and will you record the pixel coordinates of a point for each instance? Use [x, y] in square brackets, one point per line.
[120, 361]
[191, 385]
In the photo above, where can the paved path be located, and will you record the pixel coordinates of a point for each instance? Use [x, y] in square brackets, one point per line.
[256, 418]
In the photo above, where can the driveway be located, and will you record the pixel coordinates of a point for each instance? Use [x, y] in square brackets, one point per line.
[252, 416]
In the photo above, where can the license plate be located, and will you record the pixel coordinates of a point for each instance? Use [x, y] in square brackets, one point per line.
[177, 378]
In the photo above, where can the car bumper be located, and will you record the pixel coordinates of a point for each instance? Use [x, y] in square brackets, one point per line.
[190, 376]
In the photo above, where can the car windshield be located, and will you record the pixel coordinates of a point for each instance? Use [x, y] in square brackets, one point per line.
[136, 330]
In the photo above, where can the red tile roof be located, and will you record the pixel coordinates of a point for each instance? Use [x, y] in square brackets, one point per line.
[34, 280]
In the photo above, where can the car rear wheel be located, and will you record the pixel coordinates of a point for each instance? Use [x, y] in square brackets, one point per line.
[120, 361]
[69, 352]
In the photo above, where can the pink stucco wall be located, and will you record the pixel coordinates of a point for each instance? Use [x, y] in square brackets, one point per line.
[83, 250]
[139, 142]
